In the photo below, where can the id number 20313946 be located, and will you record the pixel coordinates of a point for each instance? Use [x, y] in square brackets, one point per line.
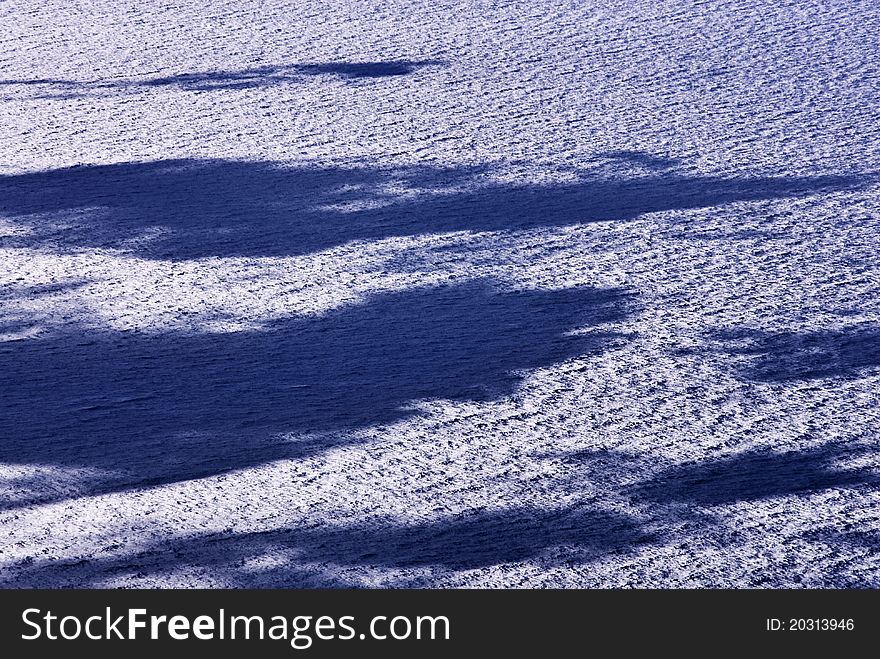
[810, 624]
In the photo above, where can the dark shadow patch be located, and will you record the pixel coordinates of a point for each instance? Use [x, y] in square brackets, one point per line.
[229, 208]
[642, 159]
[848, 538]
[260, 76]
[478, 540]
[174, 407]
[40, 290]
[483, 539]
[365, 69]
[847, 353]
[756, 475]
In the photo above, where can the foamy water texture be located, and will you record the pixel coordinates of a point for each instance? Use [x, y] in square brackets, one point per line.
[485, 294]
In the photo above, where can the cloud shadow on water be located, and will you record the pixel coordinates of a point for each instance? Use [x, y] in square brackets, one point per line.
[472, 541]
[755, 475]
[220, 80]
[172, 407]
[845, 353]
[187, 209]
